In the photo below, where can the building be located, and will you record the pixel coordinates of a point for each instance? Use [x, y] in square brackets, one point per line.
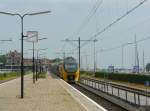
[13, 61]
[13, 58]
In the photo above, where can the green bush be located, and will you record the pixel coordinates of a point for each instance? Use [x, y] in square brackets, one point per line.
[86, 73]
[132, 78]
[9, 75]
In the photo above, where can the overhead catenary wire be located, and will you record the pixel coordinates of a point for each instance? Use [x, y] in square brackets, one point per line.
[115, 21]
[111, 24]
[85, 22]
[117, 47]
[96, 35]
[88, 18]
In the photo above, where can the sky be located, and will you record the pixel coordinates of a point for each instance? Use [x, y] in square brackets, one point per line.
[65, 21]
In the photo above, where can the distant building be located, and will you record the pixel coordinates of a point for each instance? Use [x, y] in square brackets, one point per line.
[28, 62]
[13, 58]
[45, 61]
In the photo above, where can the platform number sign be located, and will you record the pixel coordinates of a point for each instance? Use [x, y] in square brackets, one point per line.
[32, 36]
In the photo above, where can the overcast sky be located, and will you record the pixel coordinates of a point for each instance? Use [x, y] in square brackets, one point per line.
[65, 20]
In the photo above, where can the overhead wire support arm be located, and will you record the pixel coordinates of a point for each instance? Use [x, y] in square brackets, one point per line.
[6, 40]
[63, 53]
[79, 45]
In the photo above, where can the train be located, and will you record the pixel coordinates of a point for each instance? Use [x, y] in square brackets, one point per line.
[68, 69]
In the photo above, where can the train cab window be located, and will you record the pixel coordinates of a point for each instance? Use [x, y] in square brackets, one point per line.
[71, 67]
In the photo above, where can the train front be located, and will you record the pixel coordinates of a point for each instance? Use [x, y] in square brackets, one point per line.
[71, 70]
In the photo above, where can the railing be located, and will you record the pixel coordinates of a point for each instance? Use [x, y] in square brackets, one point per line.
[133, 96]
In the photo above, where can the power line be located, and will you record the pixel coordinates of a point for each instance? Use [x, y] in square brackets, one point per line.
[85, 22]
[79, 45]
[63, 53]
[88, 18]
[125, 44]
[141, 40]
[111, 24]
[98, 3]
[116, 21]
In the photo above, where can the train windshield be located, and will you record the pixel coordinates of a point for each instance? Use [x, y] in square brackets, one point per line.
[71, 67]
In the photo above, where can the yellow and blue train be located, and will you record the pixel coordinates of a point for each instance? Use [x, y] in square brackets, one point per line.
[68, 69]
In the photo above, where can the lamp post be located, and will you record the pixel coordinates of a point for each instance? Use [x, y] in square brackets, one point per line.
[42, 62]
[37, 61]
[33, 67]
[33, 59]
[122, 58]
[95, 40]
[22, 36]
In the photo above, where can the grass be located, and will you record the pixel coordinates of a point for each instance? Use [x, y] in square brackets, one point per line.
[11, 75]
[42, 75]
[84, 73]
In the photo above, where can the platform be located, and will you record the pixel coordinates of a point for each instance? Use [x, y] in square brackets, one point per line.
[50, 94]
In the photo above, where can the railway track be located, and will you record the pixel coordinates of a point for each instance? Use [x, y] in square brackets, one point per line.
[117, 97]
[101, 101]
[114, 97]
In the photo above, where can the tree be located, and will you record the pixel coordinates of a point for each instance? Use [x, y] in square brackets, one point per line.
[56, 60]
[148, 67]
[3, 59]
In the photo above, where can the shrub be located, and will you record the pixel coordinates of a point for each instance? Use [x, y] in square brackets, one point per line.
[133, 78]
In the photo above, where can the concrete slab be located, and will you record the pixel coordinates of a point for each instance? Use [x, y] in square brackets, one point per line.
[46, 95]
[86, 102]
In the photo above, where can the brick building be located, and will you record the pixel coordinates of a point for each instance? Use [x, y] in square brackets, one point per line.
[13, 60]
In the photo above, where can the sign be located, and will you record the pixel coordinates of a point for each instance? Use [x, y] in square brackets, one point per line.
[147, 83]
[111, 68]
[135, 69]
[32, 36]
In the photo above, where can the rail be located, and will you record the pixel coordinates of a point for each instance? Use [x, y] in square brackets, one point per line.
[131, 95]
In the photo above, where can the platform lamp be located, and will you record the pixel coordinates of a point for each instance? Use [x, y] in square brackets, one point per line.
[37, 61]
[33, 49]
[22, 36]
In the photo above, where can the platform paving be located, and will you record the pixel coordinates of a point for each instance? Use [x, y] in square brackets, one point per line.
[46, 95]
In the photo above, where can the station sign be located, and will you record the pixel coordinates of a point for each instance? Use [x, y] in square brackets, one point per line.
[32, 36]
